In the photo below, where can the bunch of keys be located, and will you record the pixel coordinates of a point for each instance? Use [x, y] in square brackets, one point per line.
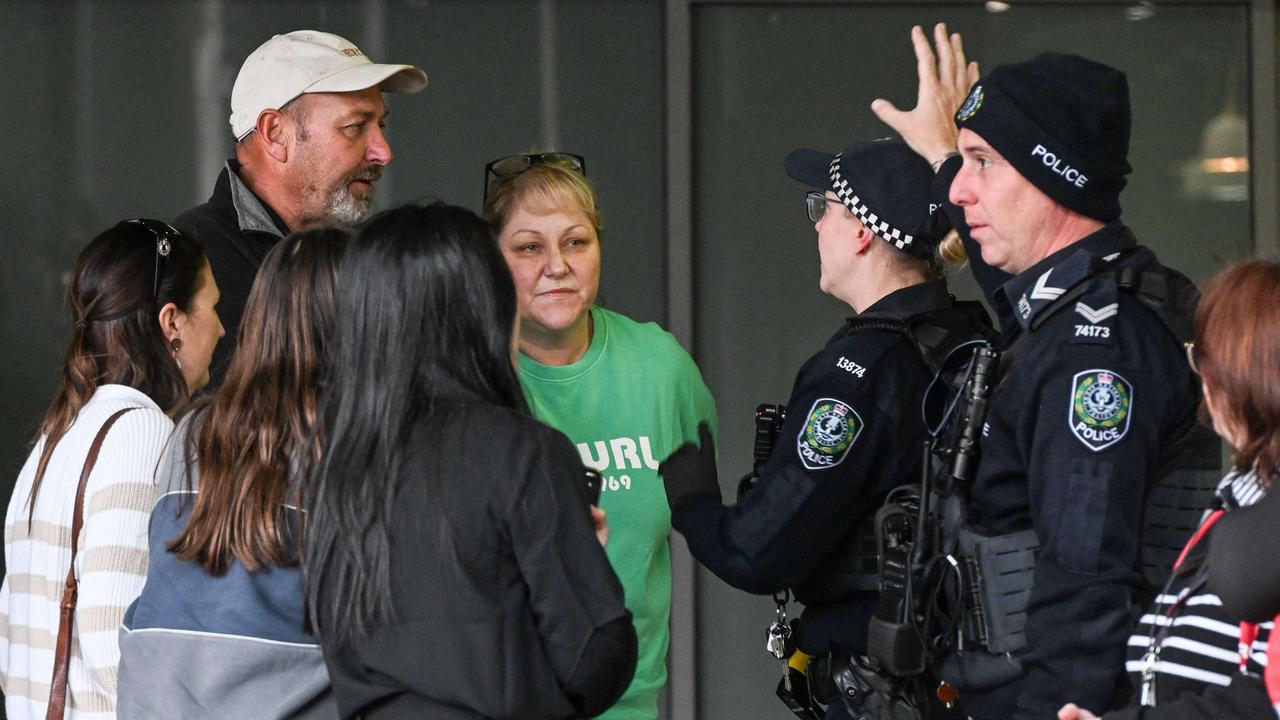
[778, 641]
[779, 634]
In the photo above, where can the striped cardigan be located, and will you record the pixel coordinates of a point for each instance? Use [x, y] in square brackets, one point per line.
[1201, 649]
[111, 564]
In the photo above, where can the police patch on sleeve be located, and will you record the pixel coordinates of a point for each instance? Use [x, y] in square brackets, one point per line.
[828, 432]
[1101, 404]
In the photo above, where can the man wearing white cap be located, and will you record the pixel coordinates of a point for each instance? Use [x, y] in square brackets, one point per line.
[308, 116]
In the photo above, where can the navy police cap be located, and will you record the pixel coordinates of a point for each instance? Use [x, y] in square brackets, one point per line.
[885, 184]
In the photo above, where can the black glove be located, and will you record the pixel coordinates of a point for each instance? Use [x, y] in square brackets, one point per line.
[691, 470]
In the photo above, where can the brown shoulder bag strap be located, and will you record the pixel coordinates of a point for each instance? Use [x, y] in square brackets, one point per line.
[62, 650]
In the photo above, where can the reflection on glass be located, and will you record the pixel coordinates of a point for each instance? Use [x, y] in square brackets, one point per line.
[1221, 170]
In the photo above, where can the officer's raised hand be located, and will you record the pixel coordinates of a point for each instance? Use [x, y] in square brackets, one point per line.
[945, 79]
[691, 469]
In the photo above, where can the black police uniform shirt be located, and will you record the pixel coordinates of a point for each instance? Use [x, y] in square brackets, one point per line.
[1077, 427]
[853, 432]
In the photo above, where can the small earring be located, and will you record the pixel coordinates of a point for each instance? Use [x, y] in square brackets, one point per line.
[175, 344]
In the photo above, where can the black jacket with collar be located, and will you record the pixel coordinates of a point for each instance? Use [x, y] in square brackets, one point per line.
[236, 229]
[504, 603]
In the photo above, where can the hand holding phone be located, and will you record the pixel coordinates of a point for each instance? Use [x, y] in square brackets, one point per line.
[595, 484]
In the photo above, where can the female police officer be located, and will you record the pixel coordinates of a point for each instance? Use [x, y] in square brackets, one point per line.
[853, 429]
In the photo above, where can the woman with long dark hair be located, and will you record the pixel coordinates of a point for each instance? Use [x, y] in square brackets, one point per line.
[142, 302]
[218, 630]
[452, 567]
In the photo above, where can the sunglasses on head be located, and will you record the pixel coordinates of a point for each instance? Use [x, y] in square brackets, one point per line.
[163, 234]
[816, 204]
[516, 164]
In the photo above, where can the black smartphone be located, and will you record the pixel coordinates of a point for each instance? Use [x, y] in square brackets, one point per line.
[594, 484]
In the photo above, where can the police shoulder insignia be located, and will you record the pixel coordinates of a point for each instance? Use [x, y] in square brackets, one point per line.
[1094, 325]
[1095, 313]
[1101, 405]
[828, 432]
[971, 104]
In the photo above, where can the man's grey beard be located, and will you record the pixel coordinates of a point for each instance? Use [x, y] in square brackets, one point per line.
[343, 208]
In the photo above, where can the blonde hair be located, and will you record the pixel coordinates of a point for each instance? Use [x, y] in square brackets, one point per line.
[948, 255]
[544, 185]
[951, 249]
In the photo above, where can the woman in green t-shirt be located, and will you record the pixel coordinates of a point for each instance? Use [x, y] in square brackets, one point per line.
[626, 393]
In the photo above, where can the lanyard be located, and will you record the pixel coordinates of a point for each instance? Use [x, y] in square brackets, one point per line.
[1147, 693]
[1271, 676]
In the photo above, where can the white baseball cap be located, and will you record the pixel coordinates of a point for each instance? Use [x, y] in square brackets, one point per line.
[307, 61]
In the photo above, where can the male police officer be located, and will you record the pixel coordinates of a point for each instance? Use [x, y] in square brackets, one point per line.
[853, 429]
[1095, 394]
[307, 114]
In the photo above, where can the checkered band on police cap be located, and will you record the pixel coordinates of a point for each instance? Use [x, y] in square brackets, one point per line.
[887, 187]
[879, 226]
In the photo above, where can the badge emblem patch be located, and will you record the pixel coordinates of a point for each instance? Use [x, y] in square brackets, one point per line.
[828, 433]
[1101, 405]
[971, 104]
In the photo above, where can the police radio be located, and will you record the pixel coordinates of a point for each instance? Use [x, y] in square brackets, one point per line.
[914, 530]
[769, 420]
[894, 638]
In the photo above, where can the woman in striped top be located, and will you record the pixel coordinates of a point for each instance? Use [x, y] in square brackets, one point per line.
[1188, 657]
[142, 299]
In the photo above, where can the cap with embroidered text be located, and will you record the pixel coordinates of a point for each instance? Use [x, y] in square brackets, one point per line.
[309, 61]
[1062, 121]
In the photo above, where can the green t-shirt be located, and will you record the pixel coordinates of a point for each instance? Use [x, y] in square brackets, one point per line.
[633, 398]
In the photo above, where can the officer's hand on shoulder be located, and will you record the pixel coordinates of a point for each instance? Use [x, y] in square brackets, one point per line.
[691, 469]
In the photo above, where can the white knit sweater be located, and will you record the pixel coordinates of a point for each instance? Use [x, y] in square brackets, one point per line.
[111, 562]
